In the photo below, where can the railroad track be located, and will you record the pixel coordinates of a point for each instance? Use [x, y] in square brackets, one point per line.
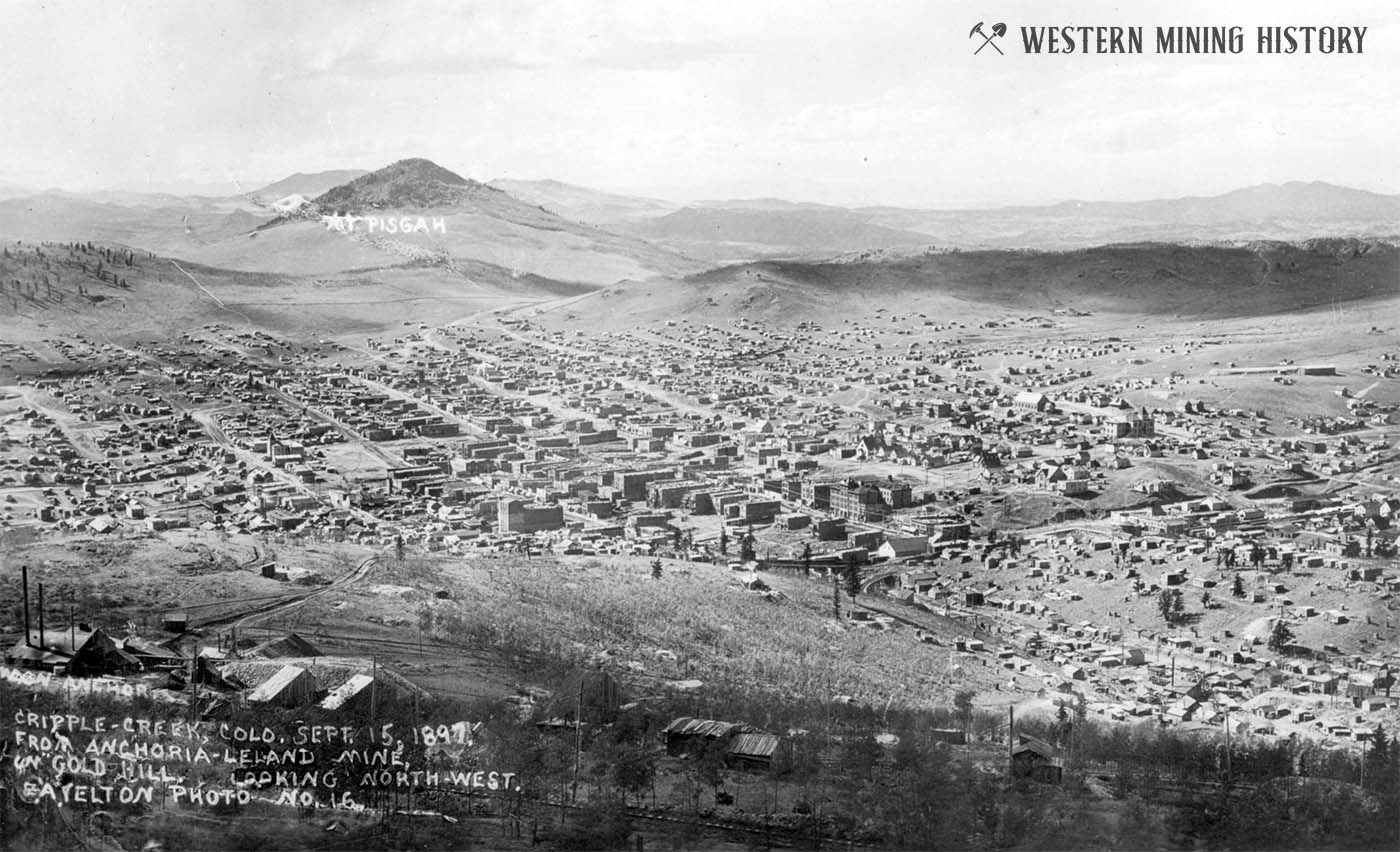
[776, 835]
[281, 603]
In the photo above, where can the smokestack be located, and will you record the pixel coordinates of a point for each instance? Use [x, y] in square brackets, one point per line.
[41, 615]
[1011, 731]
[24, 581]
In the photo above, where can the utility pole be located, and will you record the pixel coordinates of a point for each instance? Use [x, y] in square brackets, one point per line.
[1228, 774]
[578, 739]
[1010, 739]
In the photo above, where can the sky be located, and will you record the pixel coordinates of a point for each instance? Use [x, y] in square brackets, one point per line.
[868, 101]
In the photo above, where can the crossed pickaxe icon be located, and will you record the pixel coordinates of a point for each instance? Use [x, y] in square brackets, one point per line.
[998, 30]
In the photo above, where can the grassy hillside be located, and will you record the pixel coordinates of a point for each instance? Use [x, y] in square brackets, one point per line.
[740, 232]
[1142, 280]
[693, 623]
[582, 204]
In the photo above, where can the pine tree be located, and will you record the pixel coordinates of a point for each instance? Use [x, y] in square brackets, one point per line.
[656, 569]
[807, 559]
[1170, 605]
[723, 542]
[1237, 589]
[963, 702]
[746, 551]
[1281, 637]
[1378, 775]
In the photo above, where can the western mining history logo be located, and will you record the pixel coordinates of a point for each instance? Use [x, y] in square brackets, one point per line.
[345, 223]
[1190, 40]
[998, 30]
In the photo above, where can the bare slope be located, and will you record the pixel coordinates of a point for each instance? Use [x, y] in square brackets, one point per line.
[582, 204]
[107, 292]
[1140, 280]
[160, 223]
[727, 233]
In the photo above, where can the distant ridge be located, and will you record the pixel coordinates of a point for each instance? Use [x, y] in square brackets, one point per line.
[1291, 212]
[309, 185]
[582, 204]
[1293, 199]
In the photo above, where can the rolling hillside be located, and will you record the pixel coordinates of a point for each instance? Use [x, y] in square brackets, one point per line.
[730, 230]
[160, 223]
[583, 204]
[1133, 279]
[729, 233]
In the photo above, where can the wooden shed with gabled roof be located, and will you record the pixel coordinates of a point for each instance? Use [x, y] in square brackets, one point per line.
[289, 686]
[1037, 760]
[751, 750]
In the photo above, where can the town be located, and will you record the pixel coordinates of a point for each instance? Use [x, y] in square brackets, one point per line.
[1070, 514]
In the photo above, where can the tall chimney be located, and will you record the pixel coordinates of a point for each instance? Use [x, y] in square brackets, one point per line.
[1011, 731]
[24, 581]
[41, 615]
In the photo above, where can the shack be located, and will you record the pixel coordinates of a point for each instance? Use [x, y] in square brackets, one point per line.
[1037, 760]
[289, 686]
[752, 750]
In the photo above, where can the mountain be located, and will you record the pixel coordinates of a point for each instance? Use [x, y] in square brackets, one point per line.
[1287, 212]
[403, 184]
[308, 185]
[731, 233]
[768, 204]
[13, 190]
[1292, 200]
[734, 229]
[478, 223]
[419, 185]
[582, 204]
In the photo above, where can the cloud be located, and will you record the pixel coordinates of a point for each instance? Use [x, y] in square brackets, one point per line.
[846, 99]
[430, 39]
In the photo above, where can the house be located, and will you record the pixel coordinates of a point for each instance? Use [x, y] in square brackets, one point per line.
[900, 547]
[1037, 760]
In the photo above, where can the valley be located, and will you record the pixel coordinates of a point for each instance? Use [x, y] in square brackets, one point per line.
[971, 517]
